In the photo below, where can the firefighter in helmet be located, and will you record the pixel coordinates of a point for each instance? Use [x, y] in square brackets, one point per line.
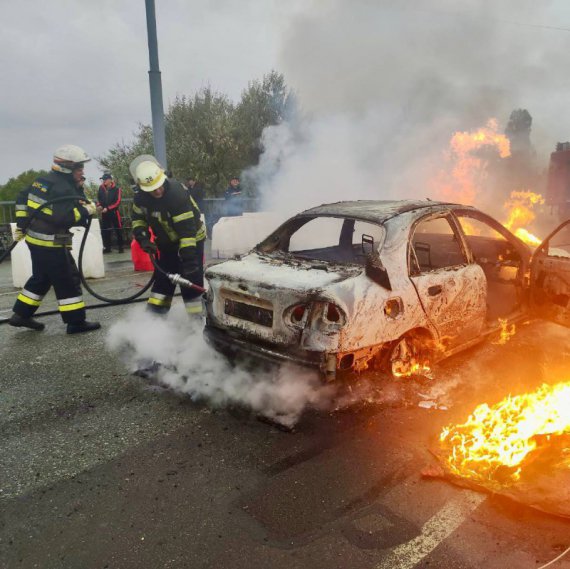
[49, 240]
[163, 205]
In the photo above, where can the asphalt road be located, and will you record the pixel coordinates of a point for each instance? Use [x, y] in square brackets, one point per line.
[102, 469]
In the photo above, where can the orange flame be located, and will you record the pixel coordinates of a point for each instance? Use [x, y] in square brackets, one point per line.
[465, 177]
[520, 212]
[491, 446]
[466, 173]
[507, 332]
[412, 369]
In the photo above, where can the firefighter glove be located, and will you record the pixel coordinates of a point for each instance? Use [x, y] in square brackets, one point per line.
[91, 208]
[148, 246]
[18, 234]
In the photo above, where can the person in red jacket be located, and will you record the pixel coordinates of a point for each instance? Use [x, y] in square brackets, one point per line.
[108, 202]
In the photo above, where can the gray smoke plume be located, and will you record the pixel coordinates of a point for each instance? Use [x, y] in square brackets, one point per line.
[190, 366]
[383, 85]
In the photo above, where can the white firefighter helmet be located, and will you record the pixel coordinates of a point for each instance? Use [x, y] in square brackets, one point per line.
[139, 160]
[149, 176]
[68, 158]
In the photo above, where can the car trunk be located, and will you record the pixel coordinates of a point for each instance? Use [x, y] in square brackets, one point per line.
[246, 301]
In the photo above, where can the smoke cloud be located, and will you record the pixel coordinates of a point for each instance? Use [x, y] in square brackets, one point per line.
[382, 86]
[188, 365]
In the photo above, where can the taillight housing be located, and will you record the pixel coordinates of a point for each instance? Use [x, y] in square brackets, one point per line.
[297, 315]
[333, 314]
[322, 314]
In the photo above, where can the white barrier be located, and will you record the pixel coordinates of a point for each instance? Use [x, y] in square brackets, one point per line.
[239, 234]
[93, 265]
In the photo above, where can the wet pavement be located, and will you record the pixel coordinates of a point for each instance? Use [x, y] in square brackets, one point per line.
[101, 469]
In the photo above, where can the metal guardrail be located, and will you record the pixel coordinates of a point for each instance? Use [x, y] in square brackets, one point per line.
[212, 208]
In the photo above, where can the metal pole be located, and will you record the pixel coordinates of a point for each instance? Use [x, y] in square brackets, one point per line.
[158, 132]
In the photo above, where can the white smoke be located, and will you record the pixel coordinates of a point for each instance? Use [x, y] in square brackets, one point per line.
[190, 366]
[382, 86]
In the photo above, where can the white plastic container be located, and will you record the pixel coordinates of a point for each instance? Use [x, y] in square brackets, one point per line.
[21, 262]
[93, 265]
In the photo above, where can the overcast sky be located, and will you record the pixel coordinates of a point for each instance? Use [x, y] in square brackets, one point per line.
[76, 71]
[370, 74]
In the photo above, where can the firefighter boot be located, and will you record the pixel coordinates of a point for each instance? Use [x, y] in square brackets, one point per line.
[21, 322]
[82, 327]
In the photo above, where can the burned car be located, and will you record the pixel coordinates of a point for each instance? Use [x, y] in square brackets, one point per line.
[391, 285]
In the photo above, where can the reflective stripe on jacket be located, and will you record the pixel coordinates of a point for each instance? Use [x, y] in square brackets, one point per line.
[174, 218]
[50, 225]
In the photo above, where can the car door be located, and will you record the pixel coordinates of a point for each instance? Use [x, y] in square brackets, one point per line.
[450, 287]
[550, 277]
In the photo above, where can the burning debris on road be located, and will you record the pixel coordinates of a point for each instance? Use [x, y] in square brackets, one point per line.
[519, 448]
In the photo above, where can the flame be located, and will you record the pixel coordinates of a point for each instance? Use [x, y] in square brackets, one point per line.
[414, 368]
[491, 446]
[465, 175]
[507, 332]
[527, 237]
[520, 212]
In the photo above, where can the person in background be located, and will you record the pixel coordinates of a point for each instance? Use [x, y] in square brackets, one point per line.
[108, 202]
[196, 190]
[49, 240]
[164, 206]
[233, 197]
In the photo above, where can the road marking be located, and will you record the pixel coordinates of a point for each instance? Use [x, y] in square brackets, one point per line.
[434, 531]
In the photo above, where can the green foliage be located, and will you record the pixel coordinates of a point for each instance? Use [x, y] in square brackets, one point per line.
[13, 186]
[119, 157]
[263, 103]
[199, 138]
[209, 136]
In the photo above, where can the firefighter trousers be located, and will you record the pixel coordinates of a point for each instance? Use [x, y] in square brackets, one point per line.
[52, 266]
[162, 290]
[111, 221]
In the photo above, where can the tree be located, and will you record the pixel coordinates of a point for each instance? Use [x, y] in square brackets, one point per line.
[520, 171]
[209, 136]
[518, 132]
[263, 103]
[13, 186]
[199, 138]
[119, 157]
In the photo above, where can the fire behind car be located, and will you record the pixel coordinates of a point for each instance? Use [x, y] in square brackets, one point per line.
[392, 285]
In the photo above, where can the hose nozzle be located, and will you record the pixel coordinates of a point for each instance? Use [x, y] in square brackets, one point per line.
[180, 280]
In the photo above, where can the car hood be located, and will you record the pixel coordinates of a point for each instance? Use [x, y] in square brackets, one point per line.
[281, 271]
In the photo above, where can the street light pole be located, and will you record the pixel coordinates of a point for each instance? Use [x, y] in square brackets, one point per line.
[158, 132]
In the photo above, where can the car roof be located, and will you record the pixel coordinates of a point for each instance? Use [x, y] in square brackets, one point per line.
[375, 210]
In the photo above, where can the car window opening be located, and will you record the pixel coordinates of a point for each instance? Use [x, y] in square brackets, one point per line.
[326, 239]
[501, 263]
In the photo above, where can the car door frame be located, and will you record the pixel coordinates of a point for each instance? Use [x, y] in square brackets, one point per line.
[550, 283]
[467, 274]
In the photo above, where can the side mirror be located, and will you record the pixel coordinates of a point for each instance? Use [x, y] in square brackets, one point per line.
[376, 271]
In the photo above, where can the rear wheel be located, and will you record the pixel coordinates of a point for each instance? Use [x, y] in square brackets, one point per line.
[409, 356]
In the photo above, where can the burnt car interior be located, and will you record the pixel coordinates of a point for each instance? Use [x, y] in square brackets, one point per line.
[437, 245]
[501, 262]
[551, 276]
[327, 239]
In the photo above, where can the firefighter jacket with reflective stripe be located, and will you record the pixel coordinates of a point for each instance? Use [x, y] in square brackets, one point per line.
[51, 224]
[174, 219]
[109, 198]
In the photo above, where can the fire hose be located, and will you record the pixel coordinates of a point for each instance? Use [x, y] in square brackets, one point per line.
[173, 277]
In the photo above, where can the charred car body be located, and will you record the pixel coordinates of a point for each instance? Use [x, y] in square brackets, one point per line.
[386, 284]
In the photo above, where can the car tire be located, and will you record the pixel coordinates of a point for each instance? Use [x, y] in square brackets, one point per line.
[409, 356]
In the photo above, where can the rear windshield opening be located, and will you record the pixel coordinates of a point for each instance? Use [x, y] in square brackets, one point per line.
[328, 239]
